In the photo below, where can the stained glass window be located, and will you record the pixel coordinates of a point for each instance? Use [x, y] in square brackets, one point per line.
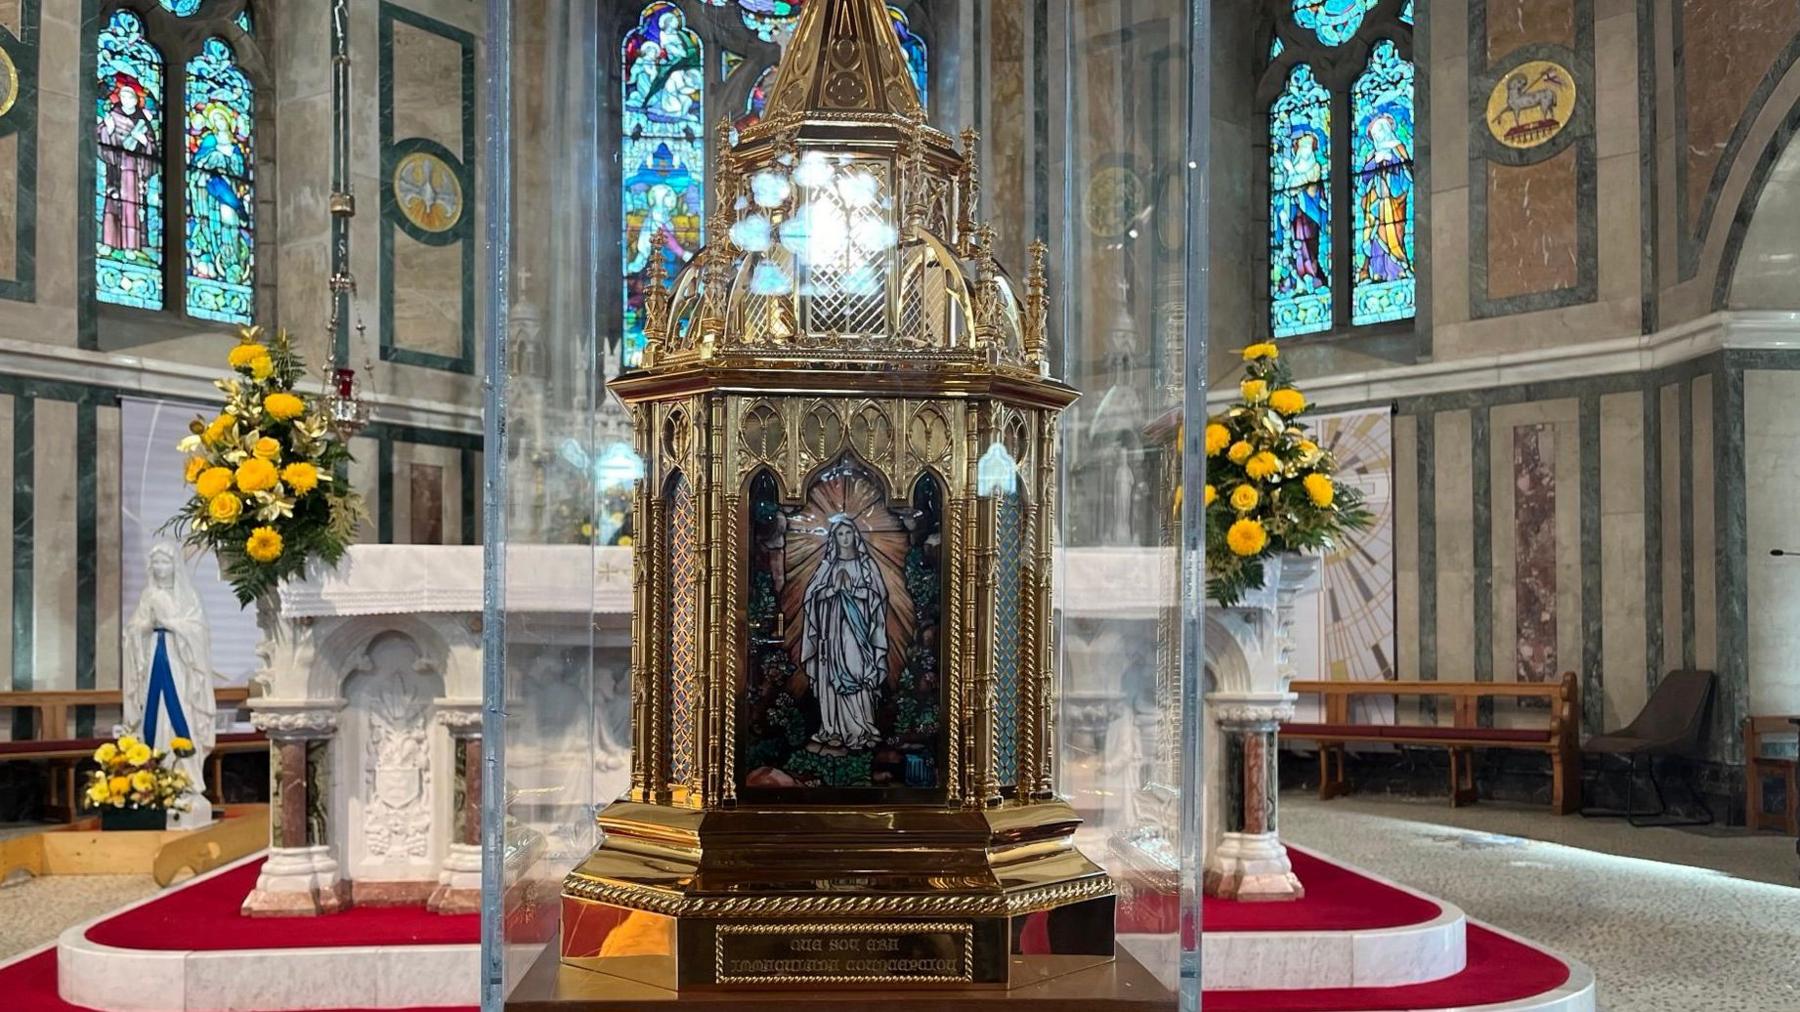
[767, 18]
[664, 154]
[1334, 21]
[128, 197]
[729, 62]
[1381, 114]
[913, 47]
[243, 21]
[221, 196]
[1406, 13]
[757, 100]
[181, 8]
[1275, 48]
[1300, 206]
[1009, 531]
[684, 626]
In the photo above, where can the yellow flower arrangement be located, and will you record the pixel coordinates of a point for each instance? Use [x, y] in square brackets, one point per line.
[1281, 496]
[142, 780]
[225, 508]
[1288, 401]
[264, 545]
[131, 774]
[138, 755]
[265, 500]
[106, 753]
[127, 742]
[284, 407]
[256, 475]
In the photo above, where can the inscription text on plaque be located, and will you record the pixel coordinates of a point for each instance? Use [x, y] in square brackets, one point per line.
[885, 953]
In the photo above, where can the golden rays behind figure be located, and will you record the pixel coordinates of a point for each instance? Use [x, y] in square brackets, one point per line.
[846, 488]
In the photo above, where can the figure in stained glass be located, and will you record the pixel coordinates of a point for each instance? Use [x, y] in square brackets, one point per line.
[221, 240]
[1382, 113]
[664, 153]
[1300, 206]
[844, 642]
[129, 201]
[757, 100]
[1333, 21]
[914, 48]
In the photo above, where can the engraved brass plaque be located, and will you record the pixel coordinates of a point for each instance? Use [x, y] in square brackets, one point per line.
[844, 953]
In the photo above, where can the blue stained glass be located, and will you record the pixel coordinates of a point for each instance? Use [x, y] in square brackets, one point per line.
[1275, 48]
[663, 146]
[1406, 13]
[1333, 21]
[917, 60]
[684, 627]
[1300, 206]
[181, 8]
[221, 191]
[243, 21]
[1009, 530]
[128, 175]
[729, 62]
[757, 100]
[1381, 111]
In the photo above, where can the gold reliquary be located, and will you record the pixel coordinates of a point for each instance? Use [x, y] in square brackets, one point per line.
[843, 678]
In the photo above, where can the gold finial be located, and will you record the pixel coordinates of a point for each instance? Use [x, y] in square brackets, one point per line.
[656, 307]
[970, 202]
[918, 204]
[1037, 304]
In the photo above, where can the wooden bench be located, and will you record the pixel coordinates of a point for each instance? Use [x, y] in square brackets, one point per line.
[1561, 738]
[1758, 766]
[66, 755]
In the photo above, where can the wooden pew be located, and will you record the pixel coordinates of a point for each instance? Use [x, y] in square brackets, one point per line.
[1560, 739]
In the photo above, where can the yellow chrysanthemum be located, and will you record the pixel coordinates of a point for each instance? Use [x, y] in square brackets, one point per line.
[126, 742]
[256, 475]
[283, 406]
[261, 368]
[179, 744]
[106, 753]
[1239, 452]
[1253, 390]
[1218, 437]
[1319, 489]
[268, 449]
[1288, 401]
[1246, 538]
[246, 353]
[195, 466]
[1212, 494]
[1309, 450]
[1262, 465]
[98, 794]
[1260, 351]
[143, 780]
[224, 508]
[138, 755]
[1244, 498]
[118, 785]
[301, 477]
[219, 430]
[213, 481]
[264, 545]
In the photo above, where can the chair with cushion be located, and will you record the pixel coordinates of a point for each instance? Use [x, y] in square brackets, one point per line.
[1672, 723]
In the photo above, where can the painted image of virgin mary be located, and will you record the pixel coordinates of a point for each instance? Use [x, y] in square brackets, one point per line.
[844, 645]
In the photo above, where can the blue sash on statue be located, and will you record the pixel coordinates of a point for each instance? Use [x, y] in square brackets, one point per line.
[162, 689]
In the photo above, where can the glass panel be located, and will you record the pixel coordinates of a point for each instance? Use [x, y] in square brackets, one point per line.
[128, 198]
[1406, 13]
[1009, 535]
[221, 197]
[684, 627]
[1381, 109]
[663, 148]
[1334, 21]
[181, 8]
[243, 21]
[1300, 207]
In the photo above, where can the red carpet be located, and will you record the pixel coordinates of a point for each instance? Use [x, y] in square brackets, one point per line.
[1499, 970]
[205, 916]
[1337, 899]
[30, 986]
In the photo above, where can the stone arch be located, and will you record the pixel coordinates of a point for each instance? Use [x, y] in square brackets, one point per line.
[1751, 275]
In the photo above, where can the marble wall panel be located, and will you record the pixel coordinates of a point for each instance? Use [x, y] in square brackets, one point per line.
[11, 15]
[1533, 237]
[1406, 546]
[1006, 69]
[53, 551]
[1513, 23]
[1765, 266]
[7, 619]
[9, 205]
[109, 535]
[425, 504]
[1772, 430]
[427, 70]
[1455, 548]
[1706, 541]
[1727, 47]
[1572, 590]
[1624, 641]
[1534, 553]
[1677, 647]
[428, 305]
[365, 477]
[1616, 84]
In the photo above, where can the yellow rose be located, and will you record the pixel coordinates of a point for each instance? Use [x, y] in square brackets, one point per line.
[1319, 489]
[224, 508]
[268, 449]
[1244, 498]
[1260, 351]
[256, 475]
[261, 368]
[180, 745]
[1254, 390]
[212, 481]
[283, 407]
[1212, 494]
[301, 477]
[264, 545]
[219, 431]
[138, 755]
[106, 753]
[1239, 452]
[1218, 437]
[1246, 538]
[1288, 401]
[242, 355]
[1262, 465]
[143, 780]
[195, 467]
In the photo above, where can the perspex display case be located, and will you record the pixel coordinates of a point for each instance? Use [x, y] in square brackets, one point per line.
[612, 130]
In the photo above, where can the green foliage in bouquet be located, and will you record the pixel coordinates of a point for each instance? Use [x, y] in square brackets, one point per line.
[267, 499]
[1270, 488]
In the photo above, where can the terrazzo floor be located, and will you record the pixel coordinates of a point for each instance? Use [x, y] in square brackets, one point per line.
[1715, 933]
[34, 911]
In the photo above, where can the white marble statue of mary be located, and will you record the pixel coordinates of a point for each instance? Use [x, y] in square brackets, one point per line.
[844, 647]
[168, 675]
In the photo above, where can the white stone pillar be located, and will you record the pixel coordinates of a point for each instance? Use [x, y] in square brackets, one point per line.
[459, 877]
[301, 874]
